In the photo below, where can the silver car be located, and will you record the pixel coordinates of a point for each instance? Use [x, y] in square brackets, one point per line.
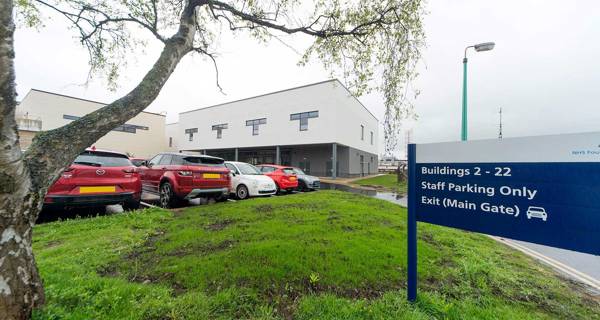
[307, 182]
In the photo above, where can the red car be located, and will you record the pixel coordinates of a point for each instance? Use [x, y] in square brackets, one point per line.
[97, 177]
[176, 177]
[284, 177]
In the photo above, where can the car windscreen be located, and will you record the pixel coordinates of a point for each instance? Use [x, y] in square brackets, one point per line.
[203, 161]
[288, 171]
[298, 171]
[246, 168]
[102, 159]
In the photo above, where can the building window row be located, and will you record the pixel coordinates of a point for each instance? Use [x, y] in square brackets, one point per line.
[255, 124]
[362, 134]
[303, 117]
[129, 128]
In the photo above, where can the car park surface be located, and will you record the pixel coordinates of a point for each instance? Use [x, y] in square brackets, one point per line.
[248, 181]
[96, 178]
[176, 177]
[284, 176]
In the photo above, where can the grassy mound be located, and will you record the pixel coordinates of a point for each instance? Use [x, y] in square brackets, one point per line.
[387, 182]
[320, 255]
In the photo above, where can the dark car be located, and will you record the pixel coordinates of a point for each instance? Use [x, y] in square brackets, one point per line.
[97, 177]
[176, 177]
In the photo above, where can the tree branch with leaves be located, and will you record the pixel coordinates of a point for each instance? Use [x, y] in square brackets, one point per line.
[371, 45]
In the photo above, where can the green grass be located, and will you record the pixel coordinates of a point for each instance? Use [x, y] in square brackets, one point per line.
[387, 181]
[319, 255]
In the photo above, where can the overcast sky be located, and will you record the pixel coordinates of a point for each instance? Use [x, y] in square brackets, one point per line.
[544, 71]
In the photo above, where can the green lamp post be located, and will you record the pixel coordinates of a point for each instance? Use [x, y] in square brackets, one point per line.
[486, 46]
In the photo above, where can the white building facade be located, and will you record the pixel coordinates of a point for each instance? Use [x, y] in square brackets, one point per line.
[142, 136]
[320, 128]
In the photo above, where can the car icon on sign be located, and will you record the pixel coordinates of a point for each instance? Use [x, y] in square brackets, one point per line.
[537, 212]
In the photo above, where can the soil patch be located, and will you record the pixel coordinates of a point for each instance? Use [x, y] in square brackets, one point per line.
[219, 225]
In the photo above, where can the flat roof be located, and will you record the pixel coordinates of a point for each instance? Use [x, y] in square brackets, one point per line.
[87, 100]
[284, 90]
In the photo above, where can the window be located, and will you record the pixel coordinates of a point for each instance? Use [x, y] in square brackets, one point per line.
[102, 159]
[246, 168]
[304, 166]
[267, 169]
[254, 124]
[69, 117]
[177, 160]
[154, 161]
[170, 142]
[219, 129]
[166, 160]
[371, 137]
[288, 170]
[232, 168]
[303, 117]
[362, 132]
[191, 132]
[130, 128]
[203, 161]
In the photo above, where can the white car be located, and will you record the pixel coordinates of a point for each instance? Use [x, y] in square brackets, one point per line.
[248, 181]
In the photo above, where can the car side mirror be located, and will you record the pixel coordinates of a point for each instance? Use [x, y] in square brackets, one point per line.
[232, 173]
[148, 164]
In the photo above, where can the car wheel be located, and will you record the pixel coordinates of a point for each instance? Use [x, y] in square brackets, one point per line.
[277, 189]
[222, 198]
[242, 192]
[168, 199]
[131, 205]
[302, 186]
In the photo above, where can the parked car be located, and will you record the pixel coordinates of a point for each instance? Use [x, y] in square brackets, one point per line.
[176, 177]
[284, 176]
[138, 161]
[248, 181]
[97, 177]
[307, 182]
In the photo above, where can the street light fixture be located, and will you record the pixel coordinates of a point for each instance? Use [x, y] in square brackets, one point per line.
[485, 46]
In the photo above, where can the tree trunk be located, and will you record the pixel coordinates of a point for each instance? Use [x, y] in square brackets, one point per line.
[25, 177]
[20, 284]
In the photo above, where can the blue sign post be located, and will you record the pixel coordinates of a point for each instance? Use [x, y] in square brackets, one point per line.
[543, 190]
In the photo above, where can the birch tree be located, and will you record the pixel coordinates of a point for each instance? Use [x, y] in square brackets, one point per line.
[372, 45]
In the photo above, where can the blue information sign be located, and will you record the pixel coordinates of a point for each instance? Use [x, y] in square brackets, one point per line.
[544, 190]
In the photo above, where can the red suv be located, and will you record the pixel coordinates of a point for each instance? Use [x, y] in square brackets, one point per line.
[97, 177]
[176, 177]
[284, 177]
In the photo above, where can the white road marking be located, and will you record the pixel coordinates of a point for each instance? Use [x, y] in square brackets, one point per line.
[575, 274]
